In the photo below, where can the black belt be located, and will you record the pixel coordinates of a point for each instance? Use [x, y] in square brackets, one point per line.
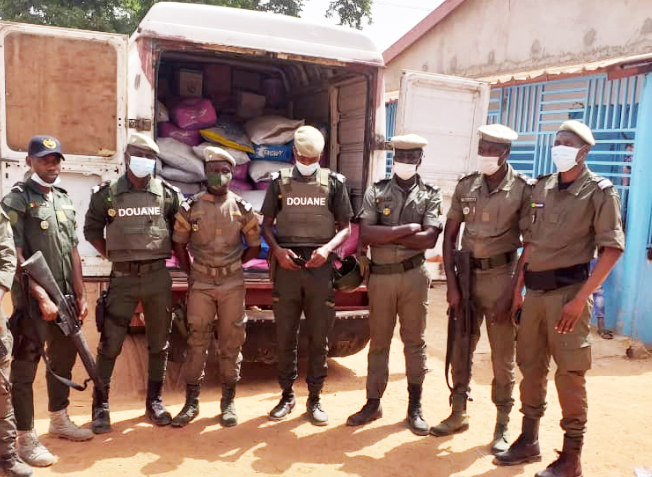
[548, 280]
[137, 268]
[494, 262]
[401, 267]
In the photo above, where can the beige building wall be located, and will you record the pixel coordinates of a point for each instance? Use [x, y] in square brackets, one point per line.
[487, 37]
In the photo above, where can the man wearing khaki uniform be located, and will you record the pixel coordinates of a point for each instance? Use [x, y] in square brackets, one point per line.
[400, 221]
[210, 225]
[573, 213]
[491, 203]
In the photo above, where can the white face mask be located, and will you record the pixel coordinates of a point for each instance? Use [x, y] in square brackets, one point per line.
[489, 164]
[36, 178]
[141, 166]
[307, 171]
[404, 170]
[564, 157]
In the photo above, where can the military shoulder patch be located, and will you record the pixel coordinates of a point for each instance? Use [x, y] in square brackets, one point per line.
[338, 176]
[98, 187]
[18, 187]
[170, 186]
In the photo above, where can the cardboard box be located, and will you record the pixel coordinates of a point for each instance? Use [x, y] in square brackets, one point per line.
[247, 80]
[217, 81]
[189, 82]
[250, 105]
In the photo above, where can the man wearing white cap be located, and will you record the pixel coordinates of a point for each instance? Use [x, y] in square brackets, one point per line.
[573, 214]
[312, 211]
[211, 226]
[400, 221]
[137, 211]
[491, 203]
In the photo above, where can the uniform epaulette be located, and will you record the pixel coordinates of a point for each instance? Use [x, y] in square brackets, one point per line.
[603, 182]
[275, 175]
[18, 187]
[60, 189]
[544, 176]
[189, 201]
[243, 203]
[97, 188]
[382, 181]
[170, 186]
[433, 187]
[339, 177]
[527, 179]
[470, 175]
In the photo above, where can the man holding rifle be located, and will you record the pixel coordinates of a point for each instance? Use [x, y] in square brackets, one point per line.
[491, 202]
[42, 217]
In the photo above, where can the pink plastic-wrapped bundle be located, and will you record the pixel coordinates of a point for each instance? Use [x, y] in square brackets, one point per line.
[191, 137]
[194, 113]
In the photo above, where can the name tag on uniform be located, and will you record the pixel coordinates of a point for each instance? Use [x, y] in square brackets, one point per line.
[537, 205]
[61, 215]
[468, 199]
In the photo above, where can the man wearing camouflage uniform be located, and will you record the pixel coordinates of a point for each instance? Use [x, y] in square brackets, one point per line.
[211, 226]
[10, 463]
[492, 203]
[138, 212]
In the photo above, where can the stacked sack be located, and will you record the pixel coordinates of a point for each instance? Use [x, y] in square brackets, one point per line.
[178, 133]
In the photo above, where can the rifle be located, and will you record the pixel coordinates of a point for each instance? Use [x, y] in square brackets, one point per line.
[461, 328]
[37, 269]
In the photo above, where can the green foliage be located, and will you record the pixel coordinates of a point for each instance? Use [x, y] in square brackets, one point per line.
[123, 16]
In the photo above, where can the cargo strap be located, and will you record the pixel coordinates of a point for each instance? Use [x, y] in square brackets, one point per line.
[496, 261]
[217, 272]
[129, 269]
[402, 267]
[549, 280]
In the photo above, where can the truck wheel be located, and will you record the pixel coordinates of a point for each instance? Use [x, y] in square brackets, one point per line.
[349, 336]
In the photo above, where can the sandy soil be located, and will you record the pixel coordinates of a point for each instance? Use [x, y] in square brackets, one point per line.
[619, 437]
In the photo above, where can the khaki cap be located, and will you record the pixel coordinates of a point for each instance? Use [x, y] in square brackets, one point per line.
[216, 154]
[409, 141]
[497, 133]
[580, 129]
[308, 141]
[143, 142]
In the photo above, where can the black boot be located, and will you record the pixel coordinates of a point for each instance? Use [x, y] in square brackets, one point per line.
[155, 409]
[316, 414]
[415, 420]
[568, 464]
[369, 412]
[525, 449]
[100, 410]
[229, 417]
[190, 409]
[284, 406]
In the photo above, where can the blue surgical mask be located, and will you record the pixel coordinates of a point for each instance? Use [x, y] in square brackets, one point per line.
[141, 166]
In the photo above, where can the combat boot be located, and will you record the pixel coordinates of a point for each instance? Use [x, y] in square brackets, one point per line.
[568, 464]
[316, 413]
[501, 435]
[12, 466]
[415, 420]
[61, 426]
[525, 448]
[369, 412]
[229, 417]
[190, 409]
[101, 416]
[284, 406]
[457, 422]
[155, 409]
[31, 451]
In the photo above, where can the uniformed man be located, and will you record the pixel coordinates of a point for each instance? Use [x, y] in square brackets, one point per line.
[400, 221]
[42, 217]
[312, 211]
[211, 226]
[138, 212]
[572, 214]
[10, 463]
[492, 203]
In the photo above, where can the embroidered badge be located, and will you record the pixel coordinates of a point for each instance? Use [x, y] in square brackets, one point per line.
[111, 212]
[50, 143]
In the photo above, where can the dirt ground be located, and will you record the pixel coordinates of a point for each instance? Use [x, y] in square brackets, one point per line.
[619, 437]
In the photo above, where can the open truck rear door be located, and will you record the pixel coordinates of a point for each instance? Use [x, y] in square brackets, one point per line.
[70, 84]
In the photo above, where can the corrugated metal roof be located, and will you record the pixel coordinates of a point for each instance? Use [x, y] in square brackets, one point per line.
[567, 70]
[233, 27]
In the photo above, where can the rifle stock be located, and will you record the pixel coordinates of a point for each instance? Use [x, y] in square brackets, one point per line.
[37, 269]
